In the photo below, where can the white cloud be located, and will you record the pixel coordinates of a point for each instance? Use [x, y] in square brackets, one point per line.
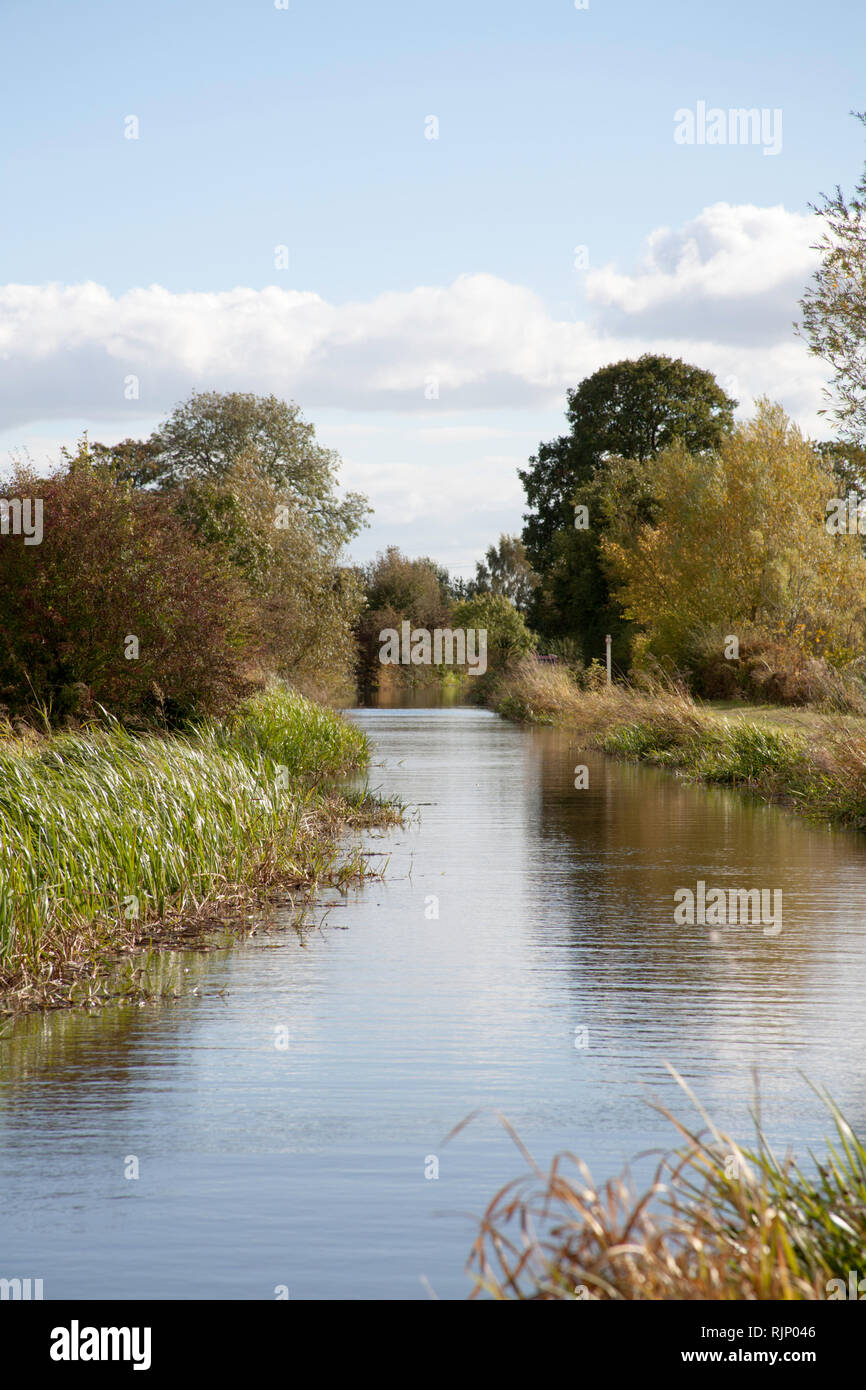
[407, 492]
[721, 291]
[738, 272]
[438, 434]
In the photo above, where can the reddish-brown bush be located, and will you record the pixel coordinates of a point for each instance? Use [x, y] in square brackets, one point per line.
[116, 564]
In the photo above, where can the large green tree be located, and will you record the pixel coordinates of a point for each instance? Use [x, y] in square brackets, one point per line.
[204, 438]
[629, 410]
[247, 475]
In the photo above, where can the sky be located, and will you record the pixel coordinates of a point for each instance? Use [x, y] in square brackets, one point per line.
[421, 222]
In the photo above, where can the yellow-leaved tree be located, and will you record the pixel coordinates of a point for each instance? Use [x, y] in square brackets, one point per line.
[738, 542]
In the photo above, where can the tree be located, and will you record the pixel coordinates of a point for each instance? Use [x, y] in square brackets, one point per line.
[118, 606]
[508, 637]
[247, 475]
[630, 409]
[549, 483]
[135, 461]
[415, 588]
[507, 571]
[397, 590]
[306, 602]
[834, 306]
[848, 462]
[205, 436]
[618, 494]
[738, 541]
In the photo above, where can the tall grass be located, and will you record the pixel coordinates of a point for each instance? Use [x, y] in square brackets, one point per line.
[719, 1221]
[282, 726]
[103, 832]
[536, 693]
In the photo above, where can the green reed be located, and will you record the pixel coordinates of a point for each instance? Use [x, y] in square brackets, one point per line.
[106, 828]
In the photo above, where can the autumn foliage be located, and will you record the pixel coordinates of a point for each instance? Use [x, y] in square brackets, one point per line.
[118, 606]
[736, 546]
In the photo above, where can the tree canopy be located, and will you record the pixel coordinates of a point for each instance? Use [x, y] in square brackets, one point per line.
[834, 306]
[204, 438]
[737, 540]
[248, 477]
[628, 410]
[631, 408]
[506, 570]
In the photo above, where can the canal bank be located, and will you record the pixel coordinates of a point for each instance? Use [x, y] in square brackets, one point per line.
[808, 759]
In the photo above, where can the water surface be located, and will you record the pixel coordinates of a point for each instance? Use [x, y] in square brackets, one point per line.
[516, 910]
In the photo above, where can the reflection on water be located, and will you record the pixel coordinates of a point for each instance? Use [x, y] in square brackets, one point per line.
[435, 693]
[305, 1165]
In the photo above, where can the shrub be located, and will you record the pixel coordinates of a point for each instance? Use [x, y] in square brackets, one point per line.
[758, 1228]
[116, 565]
[773, 668]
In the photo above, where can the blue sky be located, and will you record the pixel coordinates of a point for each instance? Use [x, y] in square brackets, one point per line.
[305, 127]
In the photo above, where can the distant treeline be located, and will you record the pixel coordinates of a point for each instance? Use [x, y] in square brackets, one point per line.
[163, 579]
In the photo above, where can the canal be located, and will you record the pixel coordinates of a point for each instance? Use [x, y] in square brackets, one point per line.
[286, 1115]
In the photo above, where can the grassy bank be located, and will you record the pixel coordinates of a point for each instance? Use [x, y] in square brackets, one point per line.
[111, 841]
[719, 1221]
[806, 759]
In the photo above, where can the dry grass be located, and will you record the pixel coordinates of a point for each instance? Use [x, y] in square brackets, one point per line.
[717, 1222]
[541, 694]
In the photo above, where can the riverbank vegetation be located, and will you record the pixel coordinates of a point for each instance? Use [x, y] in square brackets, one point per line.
[160, 767]
[737, 567]
[719, 1221]
[731, 552]
[725, 596]
[175, 574]
[811, 761]
[725, 560]
[111, 842]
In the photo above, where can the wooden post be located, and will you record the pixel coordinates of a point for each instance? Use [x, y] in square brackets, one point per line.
[607, 645]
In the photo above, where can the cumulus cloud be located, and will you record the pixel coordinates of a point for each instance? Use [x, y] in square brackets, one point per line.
[721, 291]
[738, 272]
